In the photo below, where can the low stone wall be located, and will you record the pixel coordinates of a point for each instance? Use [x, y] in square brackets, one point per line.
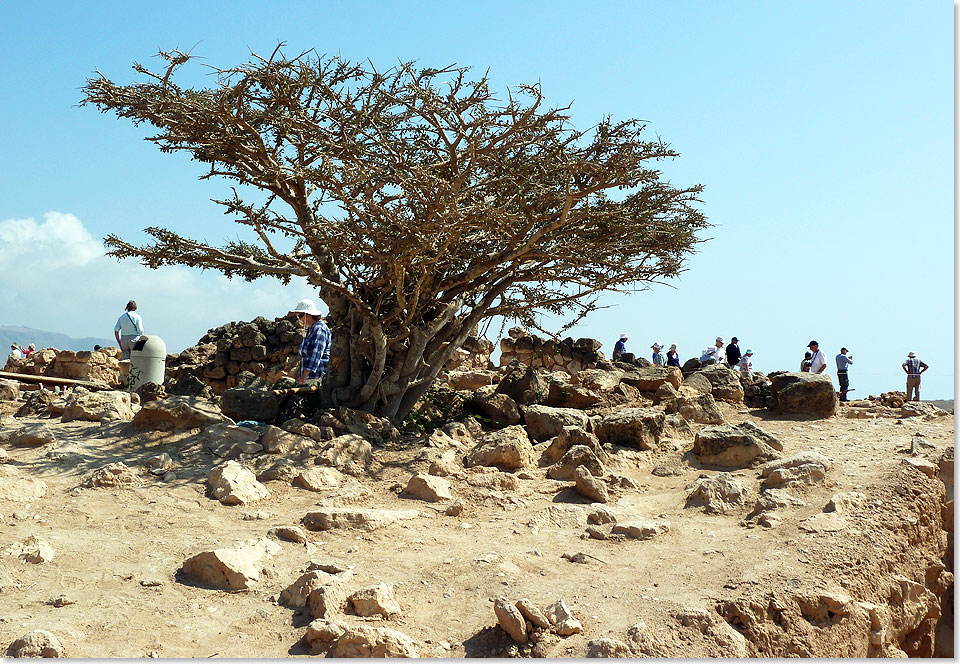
[535, 352]
[473, 354]
[265, 348]
[757, 390]
[101, 366]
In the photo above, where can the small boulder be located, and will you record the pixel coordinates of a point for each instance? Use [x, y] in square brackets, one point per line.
[278, 441]
[375, 600]
[330, 600]
[701, 408]
[429, 488]
[349, 453]
[562, 619]
[510, 619]
[289, 533]
[318, 479]
[530, 611]
[607, 647]
[508, 448]
[231, 568]
[36, 643]
[113, 475]
[719, 494]
[545, 422]
[799, 393]
[724, 383]
[569, 437]
[34, 550]
[247, 403]
[499, 408]
[9, 390]
[650, 378]
[232, 484]
[331, 518]
[33, 435]
[589, 486]
[641, 529]
[639, 428]
[735, 446]
[522, 384]
[578, 455]
[807, 467]
[178, 413]
[94, 406]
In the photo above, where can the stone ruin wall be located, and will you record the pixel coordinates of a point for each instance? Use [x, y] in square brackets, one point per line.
[265, 348]
[572, 356]
[99, 366]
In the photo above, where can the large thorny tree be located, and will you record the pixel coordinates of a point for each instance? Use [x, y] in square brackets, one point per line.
[417, 201]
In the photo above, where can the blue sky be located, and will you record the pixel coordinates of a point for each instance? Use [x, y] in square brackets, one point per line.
[822, 131]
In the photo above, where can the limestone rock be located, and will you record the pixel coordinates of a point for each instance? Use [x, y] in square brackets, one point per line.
[361, 519]
[545, 422]
[563, 394]
[445, 465]
[349, 453]
[9, 390]
[33, 435]
[599, 379]
[632, 427]
[333, 599]
[724, 383]
[735, 446]
[641, 529]
[825, 522]
[578, 455]
[33, 550]
[601, 515]
[36, 643]
[698, 383]
[343, 640]
[318, 479]
[375, 600]
[676, 428]
[607, 647]
[569, 437]
[589, 486]
[510, 619]
[232, 484]
[666, 396]
[471, 379]
[562, 619]
[806, 467]
[235, 568]
[701, 408]
[247, 403]
[925, 466]
[22, 489]
[799, 393]
[113, 475]
[500, 408]
[507, 448]
[94, 406]
[650, 378]
[429, 488]
[719, 494]
[179, 413]
[530, 611]
[278, 441]
[289, 533]
[524, 385]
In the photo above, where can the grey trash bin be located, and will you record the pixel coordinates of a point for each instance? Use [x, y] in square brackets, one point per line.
[148, 361]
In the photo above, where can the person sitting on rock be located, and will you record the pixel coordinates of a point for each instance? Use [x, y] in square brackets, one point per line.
[29, 350]
[620, 347]
[15, 352]
[746, 363]
[805, 362]
[713, 354]
[733, 353]
[659, 359]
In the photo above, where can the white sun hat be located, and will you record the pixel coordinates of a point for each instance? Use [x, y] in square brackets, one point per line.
[306, 307]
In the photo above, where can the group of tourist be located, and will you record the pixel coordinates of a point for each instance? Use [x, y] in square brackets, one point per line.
[814, 361]
[18, 352]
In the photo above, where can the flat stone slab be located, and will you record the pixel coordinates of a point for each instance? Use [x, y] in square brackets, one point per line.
[361, 519]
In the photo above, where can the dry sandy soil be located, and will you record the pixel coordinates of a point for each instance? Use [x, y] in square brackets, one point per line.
[118, 552]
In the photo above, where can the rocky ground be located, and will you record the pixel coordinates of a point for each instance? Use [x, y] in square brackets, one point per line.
[697, 552]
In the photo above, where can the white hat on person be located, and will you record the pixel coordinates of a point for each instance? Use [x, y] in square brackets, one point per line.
[720, 339]
[306, 307]
[673, 347]
[656, 346]
[623, 337]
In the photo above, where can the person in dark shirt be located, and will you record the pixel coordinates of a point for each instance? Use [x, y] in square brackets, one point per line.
[620, 347]
[733, 353]
[673, 357]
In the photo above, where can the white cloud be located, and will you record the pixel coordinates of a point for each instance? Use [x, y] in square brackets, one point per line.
[54, 276]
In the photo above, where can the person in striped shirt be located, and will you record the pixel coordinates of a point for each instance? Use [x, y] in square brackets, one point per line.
[913, 367]
[315, 349]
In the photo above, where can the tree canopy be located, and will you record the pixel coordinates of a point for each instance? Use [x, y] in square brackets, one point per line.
[417, 201]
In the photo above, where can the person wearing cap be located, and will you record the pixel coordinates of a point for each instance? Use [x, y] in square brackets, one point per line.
[659, 359]
[315, 348]
[844, 360]
[733, 353]
[29, 350]
[673, 357]
[805, 362]
[713, 354]
[746, 363]
[620, 347]
[913, 367]
[129, 326]
[818, 361]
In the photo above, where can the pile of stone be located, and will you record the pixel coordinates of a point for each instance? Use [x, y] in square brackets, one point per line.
[535, 352]
[99, 366]
[473, 354]
[267, 349]
[757, 390]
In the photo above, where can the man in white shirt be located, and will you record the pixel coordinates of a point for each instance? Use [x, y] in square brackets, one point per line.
[819, 361]
[129, 326]
[15, 352]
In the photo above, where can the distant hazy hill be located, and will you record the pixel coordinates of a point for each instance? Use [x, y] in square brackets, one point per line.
[25, 335]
